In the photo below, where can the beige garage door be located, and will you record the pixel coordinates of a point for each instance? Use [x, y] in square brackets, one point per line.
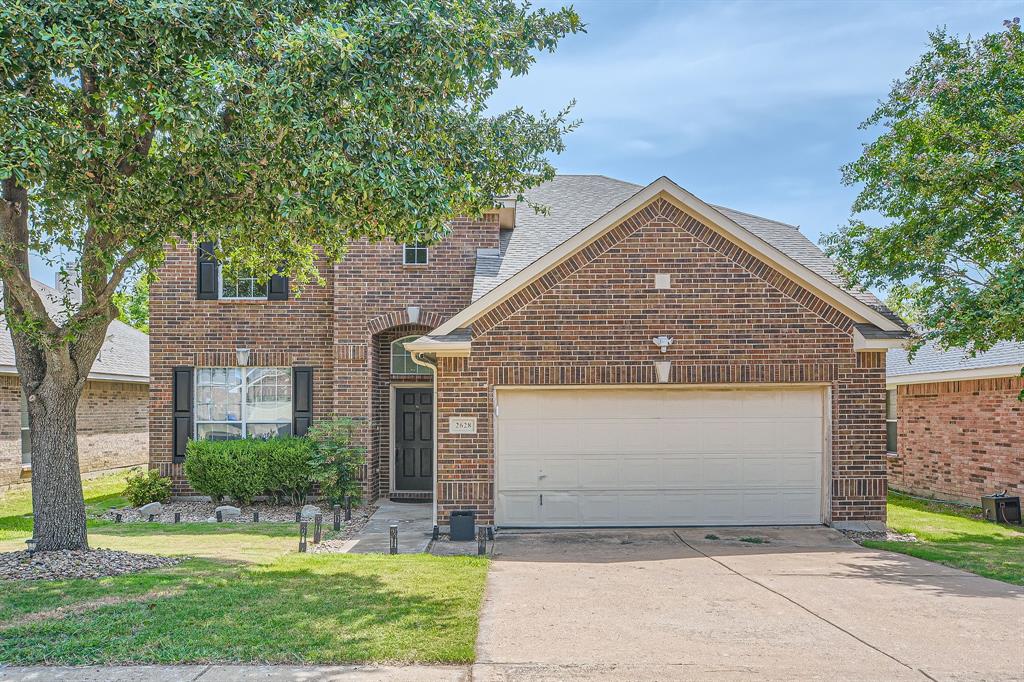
[647, 457]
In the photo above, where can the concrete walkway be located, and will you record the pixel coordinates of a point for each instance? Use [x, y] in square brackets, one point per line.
[239, 673]
[414, 529]
[700, 604]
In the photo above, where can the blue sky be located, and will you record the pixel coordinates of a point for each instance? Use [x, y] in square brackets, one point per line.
[753, 105]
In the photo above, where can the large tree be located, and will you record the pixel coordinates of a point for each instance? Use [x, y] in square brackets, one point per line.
[946, 176]
[276, 128]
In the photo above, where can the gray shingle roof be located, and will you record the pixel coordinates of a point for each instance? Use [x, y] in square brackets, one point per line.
[575, 201]
[125, 353]
[930, 358]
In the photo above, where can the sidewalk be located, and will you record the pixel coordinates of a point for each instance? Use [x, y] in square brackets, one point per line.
[414, 529]
[241, 673]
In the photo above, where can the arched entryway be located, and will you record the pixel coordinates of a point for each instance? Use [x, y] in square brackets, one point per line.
[403, 416]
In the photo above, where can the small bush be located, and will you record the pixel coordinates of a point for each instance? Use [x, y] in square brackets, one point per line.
[338, 457]
[243, 469]
[289, 468]
[146, 487]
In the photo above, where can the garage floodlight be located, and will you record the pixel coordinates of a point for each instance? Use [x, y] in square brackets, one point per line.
[663, 342]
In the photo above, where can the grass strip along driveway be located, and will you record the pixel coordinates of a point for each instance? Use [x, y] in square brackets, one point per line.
[956, 536]
[250, 597]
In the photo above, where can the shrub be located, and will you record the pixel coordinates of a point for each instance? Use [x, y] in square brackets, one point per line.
[289, 468]
[145, 487]
[337, 457]
[242, 469]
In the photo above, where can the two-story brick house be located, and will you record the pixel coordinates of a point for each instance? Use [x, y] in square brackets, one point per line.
[632, 356]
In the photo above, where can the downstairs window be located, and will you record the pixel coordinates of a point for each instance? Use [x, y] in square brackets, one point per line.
[237, 402]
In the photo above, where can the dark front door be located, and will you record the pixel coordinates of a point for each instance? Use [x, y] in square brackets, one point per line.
[414, 438]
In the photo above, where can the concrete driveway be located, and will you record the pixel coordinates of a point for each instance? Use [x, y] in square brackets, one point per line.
[670, 604]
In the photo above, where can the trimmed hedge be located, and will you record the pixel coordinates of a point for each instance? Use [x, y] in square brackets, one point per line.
[243, 469]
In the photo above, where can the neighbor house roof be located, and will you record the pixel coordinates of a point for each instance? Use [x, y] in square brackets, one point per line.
[124, 356]
[573, 202]
[932, 364]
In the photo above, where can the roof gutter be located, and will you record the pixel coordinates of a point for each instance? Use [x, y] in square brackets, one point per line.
[93, 376]
[998, 372]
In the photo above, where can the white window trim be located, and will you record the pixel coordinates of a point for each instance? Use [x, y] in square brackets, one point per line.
[405, 252]
[243, 422]
[890, 396]
[391, 362]
[220, 289]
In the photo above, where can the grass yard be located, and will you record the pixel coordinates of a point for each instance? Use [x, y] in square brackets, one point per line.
[247, 596]
[956, 536]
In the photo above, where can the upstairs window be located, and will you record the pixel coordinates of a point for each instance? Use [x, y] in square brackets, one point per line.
[237, 402]
[890, 420]
[414, 254]
[401, 359]
[242, 284]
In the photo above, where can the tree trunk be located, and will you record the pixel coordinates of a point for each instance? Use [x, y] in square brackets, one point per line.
[57, 502]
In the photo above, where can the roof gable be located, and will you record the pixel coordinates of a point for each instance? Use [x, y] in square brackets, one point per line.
[858, 310]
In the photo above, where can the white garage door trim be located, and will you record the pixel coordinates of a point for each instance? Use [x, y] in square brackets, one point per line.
[572, 501]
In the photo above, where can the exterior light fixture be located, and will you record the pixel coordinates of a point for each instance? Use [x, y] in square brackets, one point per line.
[393, 535]
[664, 370]
[663, 342]
[303, 530]
[30, 545]
[318, 525]
[242, 355]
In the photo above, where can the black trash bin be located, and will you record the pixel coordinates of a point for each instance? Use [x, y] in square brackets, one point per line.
[1001, 508]
[463, 525]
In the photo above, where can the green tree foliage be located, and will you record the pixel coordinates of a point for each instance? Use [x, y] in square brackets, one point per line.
[947, 176]
[133, 304]
[278, 129]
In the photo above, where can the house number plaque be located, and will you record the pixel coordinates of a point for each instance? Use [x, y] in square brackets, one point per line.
[462, 425]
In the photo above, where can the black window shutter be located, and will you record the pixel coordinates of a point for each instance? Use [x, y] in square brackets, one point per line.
[181, 399]
[206, 272]
[277, 288]
[302, 400]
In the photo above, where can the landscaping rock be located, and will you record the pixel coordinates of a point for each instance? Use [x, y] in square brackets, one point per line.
[227, 512]
[309, 511]
[200, 511]
[95, 563]
[153, 508]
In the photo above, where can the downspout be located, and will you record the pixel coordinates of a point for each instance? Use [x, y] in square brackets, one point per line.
[423, 362]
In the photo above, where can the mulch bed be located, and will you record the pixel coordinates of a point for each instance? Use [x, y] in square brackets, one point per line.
[65, 565]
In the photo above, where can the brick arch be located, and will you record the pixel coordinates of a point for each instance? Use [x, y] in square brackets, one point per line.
[397, 318]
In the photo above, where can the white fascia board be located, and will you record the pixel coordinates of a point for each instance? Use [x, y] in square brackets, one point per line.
[1000, 372]
[93, 376]
[848, 304]
[860, 343]
[445, 349]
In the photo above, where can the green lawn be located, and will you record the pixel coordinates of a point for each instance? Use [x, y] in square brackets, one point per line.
[248, 597]
[956, 536]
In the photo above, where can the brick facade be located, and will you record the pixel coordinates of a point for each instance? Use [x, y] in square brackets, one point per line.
[959, 440]
[112, 427]
[342, 329]
[589, 322]
[734, 319]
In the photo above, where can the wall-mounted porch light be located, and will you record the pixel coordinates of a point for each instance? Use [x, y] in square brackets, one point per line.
[663, 342]
[242, 356]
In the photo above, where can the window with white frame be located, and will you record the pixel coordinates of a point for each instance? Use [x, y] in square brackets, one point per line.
[242, 284]
[890, 420]
[237, 402]
[414, 254]
[26, 434]
[401, 359]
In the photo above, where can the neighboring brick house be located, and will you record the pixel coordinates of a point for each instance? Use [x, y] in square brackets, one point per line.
[113, 431]
[956, 423]
[763, 403]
